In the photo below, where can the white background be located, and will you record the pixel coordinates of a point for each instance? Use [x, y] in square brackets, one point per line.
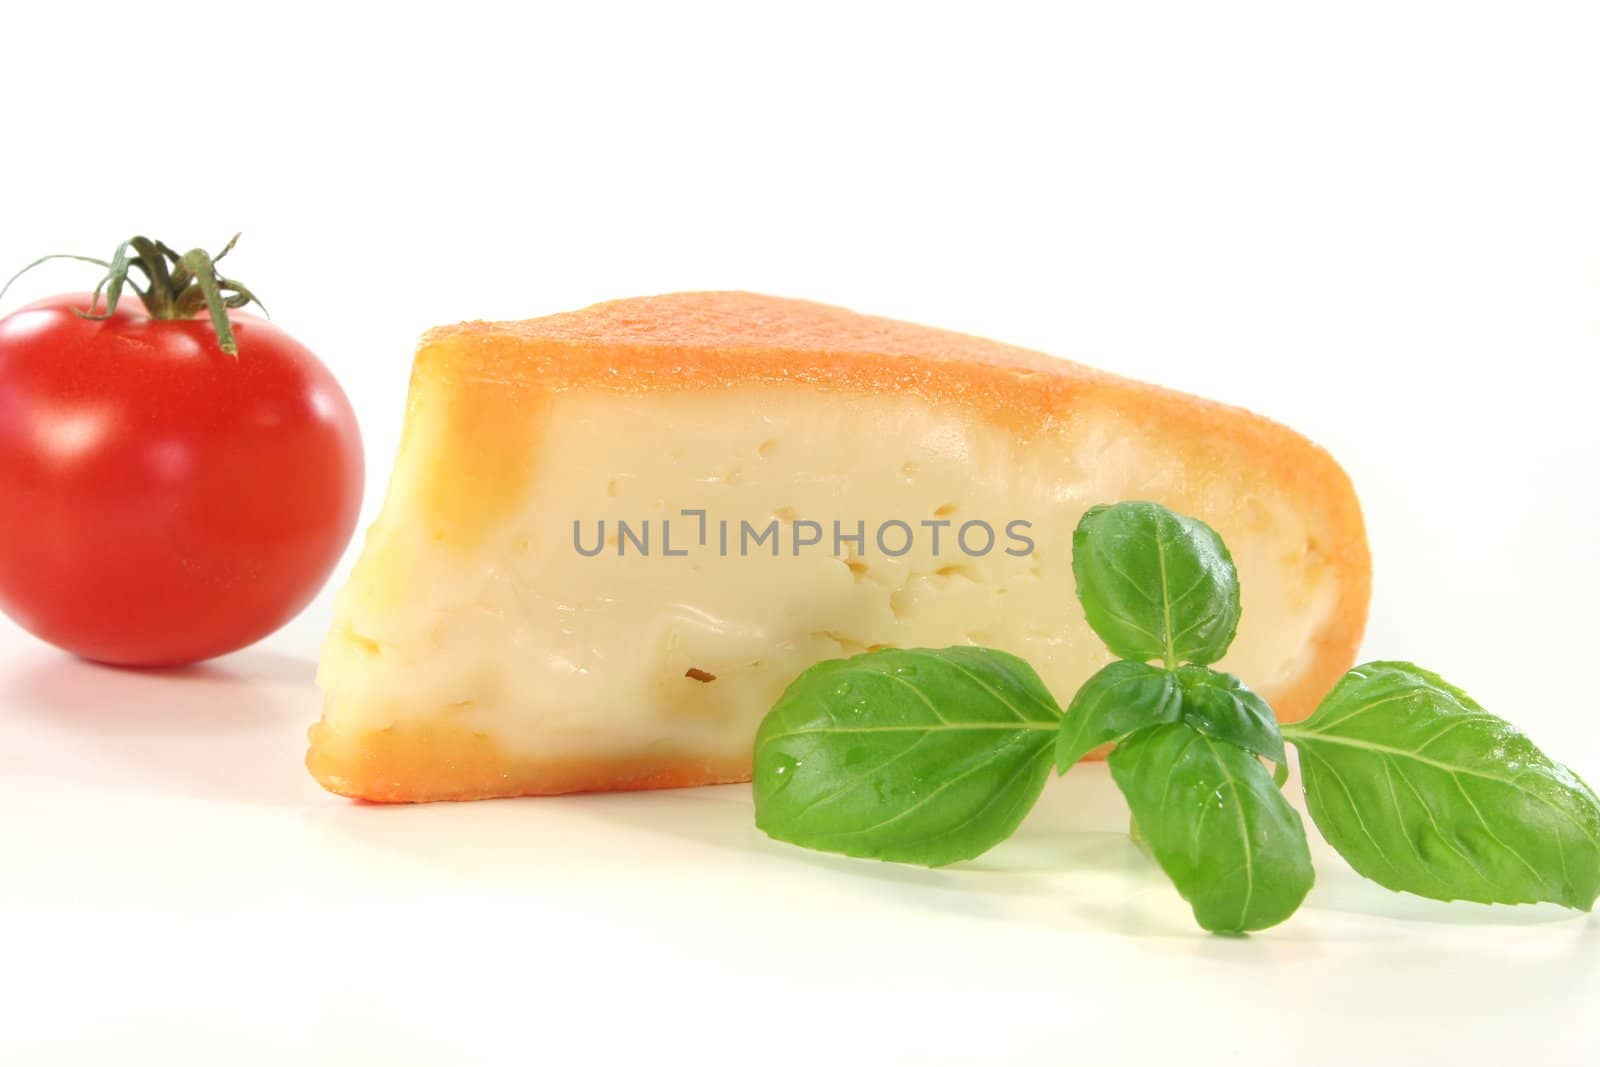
[1379, 223]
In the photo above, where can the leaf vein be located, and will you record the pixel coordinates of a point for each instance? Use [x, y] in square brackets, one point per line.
[913, 728]
[983, 764]
[979, 682]
[1422, 802]
[1111, 564]
[1488, 829]
[1452, 768]
[1350, 802]
[1244, 832]
[1022, 766]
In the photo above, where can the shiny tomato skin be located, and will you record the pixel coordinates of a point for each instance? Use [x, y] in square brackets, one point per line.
[162, 502]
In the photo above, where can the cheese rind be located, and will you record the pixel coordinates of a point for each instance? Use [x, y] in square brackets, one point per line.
[478, 650]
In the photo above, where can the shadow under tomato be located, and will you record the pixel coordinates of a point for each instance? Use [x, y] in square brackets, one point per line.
[231, 729]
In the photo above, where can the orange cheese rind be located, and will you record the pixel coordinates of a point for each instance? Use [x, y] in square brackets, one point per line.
[441, 761]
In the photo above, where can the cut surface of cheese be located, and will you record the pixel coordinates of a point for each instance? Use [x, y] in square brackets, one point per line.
[613, 537]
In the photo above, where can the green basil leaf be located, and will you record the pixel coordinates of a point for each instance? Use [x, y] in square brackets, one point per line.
[1210, 815]
[1119, 699]
[1155, 584]
[1219, 705]
[912, 755]
[1423, 791]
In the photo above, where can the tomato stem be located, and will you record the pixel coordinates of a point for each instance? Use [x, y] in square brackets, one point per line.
[177, 286]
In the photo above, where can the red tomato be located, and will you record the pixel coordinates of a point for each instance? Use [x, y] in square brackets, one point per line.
[162, 502]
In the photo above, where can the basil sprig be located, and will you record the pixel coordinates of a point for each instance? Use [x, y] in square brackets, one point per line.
[1157, 585]
[934, 756]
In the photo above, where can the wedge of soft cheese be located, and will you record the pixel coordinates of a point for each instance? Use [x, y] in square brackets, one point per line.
[779, 483]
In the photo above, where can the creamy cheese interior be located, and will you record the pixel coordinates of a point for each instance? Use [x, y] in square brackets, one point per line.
[556, 654]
